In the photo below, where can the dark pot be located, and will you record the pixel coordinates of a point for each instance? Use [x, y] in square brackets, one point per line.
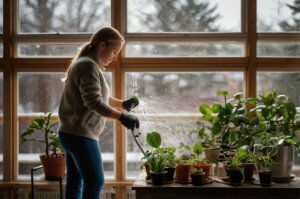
[227, 169]
[158, 179]
[248, 171]
[197, 178]
[170, 174]
[265, 178]
[235, 176]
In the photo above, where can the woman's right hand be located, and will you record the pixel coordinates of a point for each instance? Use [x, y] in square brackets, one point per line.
[129, 121]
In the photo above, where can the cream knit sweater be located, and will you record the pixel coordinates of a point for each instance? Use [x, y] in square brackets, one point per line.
[84, 100]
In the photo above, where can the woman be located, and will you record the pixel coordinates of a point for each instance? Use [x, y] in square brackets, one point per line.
[83, 109]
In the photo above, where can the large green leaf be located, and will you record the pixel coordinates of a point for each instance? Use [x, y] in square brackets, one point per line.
[153, 139]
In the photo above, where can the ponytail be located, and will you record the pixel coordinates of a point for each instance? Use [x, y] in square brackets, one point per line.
[106, 34]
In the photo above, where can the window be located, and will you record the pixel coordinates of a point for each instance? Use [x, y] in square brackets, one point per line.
[278, 26]
[40, 93]
[63, 16]
[184, 28]
[169, 103]
[184, 16]
[48, 19]
[277, 16]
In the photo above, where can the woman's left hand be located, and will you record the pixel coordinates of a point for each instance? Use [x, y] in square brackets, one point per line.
[130, 103]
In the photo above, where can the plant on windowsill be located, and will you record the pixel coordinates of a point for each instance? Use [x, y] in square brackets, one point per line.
[277, 115]
[157, 164]
[153, 139]
[265, 163]
[246, 158]
[53, 159]
[227, 120]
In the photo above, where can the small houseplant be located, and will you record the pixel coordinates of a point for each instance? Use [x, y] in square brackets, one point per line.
[265, 161]
[153, 139]
[53, 159]
[246, 158]
[157, 163]
[197, 174]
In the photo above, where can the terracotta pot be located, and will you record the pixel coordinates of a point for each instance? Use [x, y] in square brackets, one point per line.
[54, 166]
[182, 172]
[205, 168]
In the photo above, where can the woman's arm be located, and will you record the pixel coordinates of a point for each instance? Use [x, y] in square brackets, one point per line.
[116, 103]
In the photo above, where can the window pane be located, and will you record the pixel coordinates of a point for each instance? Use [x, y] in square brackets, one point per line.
[48, 50]
[1, 50]
[63, 16]
[282, 49]
[164, 49]
[278, 15]
[39, 93]
[287, 83]
[1, 17]
[184, 16]
[1, 125]
[169, 104]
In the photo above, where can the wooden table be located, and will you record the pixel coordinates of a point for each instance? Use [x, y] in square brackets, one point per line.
[216, 189]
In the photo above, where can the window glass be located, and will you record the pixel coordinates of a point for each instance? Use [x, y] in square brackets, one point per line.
[278, 49]
[39, 93]
[287, 83]
[1, 17]
[169, 104]
[63, 16]
[1, 125]
[164, 49]
[278, 15]
[47, 50]
[184, 16]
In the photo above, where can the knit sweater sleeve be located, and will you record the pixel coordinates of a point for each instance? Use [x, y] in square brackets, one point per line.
[89, 85]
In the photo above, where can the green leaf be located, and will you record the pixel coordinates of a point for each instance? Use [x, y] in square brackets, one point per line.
[153, 139]
[201, 132]
[216, 128]
[205, 109]
[216, 108]
[197, 149]
[223, 93]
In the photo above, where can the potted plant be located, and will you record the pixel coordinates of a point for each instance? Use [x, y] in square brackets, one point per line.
[246, 158]
[169, 153]
[196, 174]
[182, 170]
[227, 120]
[153, 139]
[157, 163]
[235, 171]
[265, 161]
[277, 116]
[53, 159]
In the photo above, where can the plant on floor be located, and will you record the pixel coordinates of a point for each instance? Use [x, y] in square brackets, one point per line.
[53, 160]
[43, 125]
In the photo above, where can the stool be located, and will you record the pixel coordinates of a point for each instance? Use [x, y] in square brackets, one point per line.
[32, 182]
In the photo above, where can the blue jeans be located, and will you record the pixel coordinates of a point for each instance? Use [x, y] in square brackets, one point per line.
[85, 176]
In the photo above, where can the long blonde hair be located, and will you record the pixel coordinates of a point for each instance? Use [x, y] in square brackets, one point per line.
[106, 34]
